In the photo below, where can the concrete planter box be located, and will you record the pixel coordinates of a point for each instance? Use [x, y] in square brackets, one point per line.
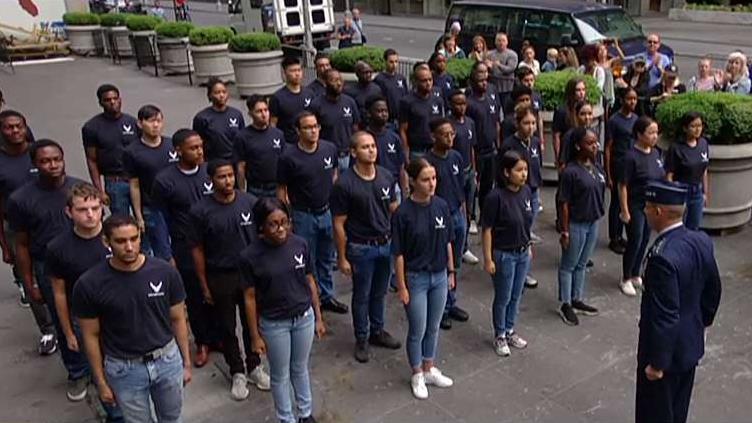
[549, 172]
[211, 61]
[257, 73]
[730, 202]
[175, 56]
[82, 38]
[710, 16]
[144, 38]
[122, 42]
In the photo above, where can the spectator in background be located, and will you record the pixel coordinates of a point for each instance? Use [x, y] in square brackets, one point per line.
[455, 29]
[705, 80]
[606, 62]
[656, 60]
[357, 23]
[346, 34]
[158, 11]
[568, 59]
[590, 65]
[637, 78]
[501, 63]
[736, 79]
[669, 86]
[528, 60]
[480, 50]
[449, 49]
[552, 58]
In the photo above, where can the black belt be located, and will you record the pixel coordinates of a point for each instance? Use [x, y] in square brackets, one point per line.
[262, 185]
[516, 250]
[116, 178]
[374, 242]
[311, 210]
[154, 354]
[344, 153]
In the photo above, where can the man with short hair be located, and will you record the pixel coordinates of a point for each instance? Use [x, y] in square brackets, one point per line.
[526, 78]
[364, 88]
[287, 102]
[363, 201]
[417, 109]
[318, 86]
[502, 63]
[105, 137]
[132, 316]
[258, 147]
[388, 144]
[656, 60]
[175, 189]
[306, 173]
[36, 213]
[392, 84]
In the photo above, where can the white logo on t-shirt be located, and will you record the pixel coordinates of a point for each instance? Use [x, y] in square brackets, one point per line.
[704, 157]
[439, 223]
[233, 122]
[299, 261]
[391, 148]
[33, 170]
[277, 143]
[492, 108]
[385, 191]
[435, 109]
[399, 83]
[493, 96]
[660, 162]
[208, 188]
[448, 85]
[601, 178]
[528, 207]
[347, 112]
[469, 133]
[436, 94]
[307, 102]
[533, 152]
[455, 169]
[173, 156]
[327, 163]
[156, 290]
[127, 129]
[246, 219]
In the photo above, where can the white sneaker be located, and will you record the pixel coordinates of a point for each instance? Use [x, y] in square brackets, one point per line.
[531, 282]
[516, 341]
[418, 383]
[436, 378]
[637, 282]
[473, 228]
[627, 288]
[259, 378]
[470, 258]
[239, 390]
[501, 347]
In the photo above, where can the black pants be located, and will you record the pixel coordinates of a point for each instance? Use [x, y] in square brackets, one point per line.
[665, 400]
[227, 291]
[205, 328]
[615, 225]
[486, 173]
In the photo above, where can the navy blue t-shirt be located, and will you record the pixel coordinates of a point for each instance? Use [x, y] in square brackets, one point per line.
[485, 112]
[583, 189]
[144, 163]
[40, 211]
[639, 169]
[361, 94]
[445, 84]
[337, 119]
[260, 150]
[418, 112]
[464, 140]
[508, 127]
[69, 256]
[449, 178]
[619, 132]
[688, 164]
[560, 123]
[15, 171]
[394, 88]
[390, 151]
[133, 307]
[317, 88]
[531, 153]
[309, 177]
[110, 137]
[218, 130]
[175, 192]
[278, 273]
[366, 203]
[509, 215]
[224, 230]
[421, 232]
[286, 105]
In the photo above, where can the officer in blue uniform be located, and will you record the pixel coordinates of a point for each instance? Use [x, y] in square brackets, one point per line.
[682, 293]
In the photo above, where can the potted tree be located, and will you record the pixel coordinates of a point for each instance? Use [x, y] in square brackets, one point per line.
[210, 54]
[460, 70]
[81, 28]
[728, 129]
[551, 86]
[143, 36]
[344, 60]
[172, 41]
[117, 32]
[256, 59]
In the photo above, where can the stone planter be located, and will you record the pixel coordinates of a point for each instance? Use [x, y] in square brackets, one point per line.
[122, 42]
[144, 45]
[175, 55]
[257, 73]
[549, 172]
[730, 202]
[82, 38]
[211, 61]
[710, 16]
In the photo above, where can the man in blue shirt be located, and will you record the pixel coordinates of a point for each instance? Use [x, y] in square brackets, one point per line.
[656, 60]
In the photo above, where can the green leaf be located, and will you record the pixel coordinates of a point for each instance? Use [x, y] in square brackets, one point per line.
[80, 19]
[551, 86]
[174, 29]
[344, 60]
[255, 42]
[210, 35]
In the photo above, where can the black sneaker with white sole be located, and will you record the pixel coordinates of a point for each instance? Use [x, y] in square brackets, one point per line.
[47, 344]
[567, 315]
[582, 308]
[77, 389]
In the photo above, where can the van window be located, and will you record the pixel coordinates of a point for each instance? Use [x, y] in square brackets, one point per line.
[612, 23]
[542, 28]
[484, 20]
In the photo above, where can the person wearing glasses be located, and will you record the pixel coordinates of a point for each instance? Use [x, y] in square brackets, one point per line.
[656, 61]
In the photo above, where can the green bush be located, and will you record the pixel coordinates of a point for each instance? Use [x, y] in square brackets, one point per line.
[344, 60]
[551, 86]
[255, 42]
[720, 8]
[142, 22]
[174, 29]
[460, 70]
[727, 117]
[113, 19]
[80, 19]
[210, 35]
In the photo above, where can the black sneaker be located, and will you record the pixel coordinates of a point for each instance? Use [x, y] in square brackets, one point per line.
[47, 344]
[446, 322]
[77, 389]
[308, 419]
[334, 306]
[590, 263]
[567, 315]
[458, 314]
[23, 300]
[361, 351]
[385, 340]
[582, 308]
[617, 246]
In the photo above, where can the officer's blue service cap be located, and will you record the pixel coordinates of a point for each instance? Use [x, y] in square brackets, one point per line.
[666, 193]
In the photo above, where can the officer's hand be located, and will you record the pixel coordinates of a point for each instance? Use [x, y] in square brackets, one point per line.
[207, 296]
[344, 266]
[36, 295]
[320, 329]
[404, 296]
[72, 343]
[625, 217]
[187, 374]
[258, 346]
[106, 394]
[490, 267]
[653, 374]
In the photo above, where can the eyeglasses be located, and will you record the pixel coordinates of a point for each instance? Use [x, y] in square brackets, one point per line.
[653, 42]
[310, 128]
[275, 226]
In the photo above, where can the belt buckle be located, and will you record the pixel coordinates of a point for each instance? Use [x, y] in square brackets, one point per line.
[148, 357]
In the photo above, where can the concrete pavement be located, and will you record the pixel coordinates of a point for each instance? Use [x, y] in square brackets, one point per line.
[567, 374]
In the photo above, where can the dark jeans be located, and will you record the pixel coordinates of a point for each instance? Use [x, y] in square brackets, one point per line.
[157, 240]
[371, 267]
[663, 400]
[458, 248]
[119, 191]
[486, 174]
[615, 225]
[75, 362]
[470, 187]
[638, 235]
[695, 205]
[205, 328]
[227, 291]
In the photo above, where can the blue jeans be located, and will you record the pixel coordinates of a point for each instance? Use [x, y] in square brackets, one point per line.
[508, 281]
[428, 293]
[638, 235]
[582, 239]
[371, 267]
[119, 192]
[157, 240]
[317, 230]
[288, 349]
[695, 204]
[75, 362]
[344, 162]
[135, 383]
[459, 220]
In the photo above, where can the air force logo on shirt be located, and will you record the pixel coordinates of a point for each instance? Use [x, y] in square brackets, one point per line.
[128, 129]
[439, 222]
[385, 193]
[528, 206]
[208, 188]
[704, 157]
[306, 102]
[470, 133]
[435, 109]
[277, 143]
[299, 263]
[400, 83]
[391, 148]
[455, 169]
[347, 112]
[173, 157]
[492, 108]
[601, 178]
[245, 219]
[328, 163]
[533, 152]
[156, 290]
[33, 171]
[233, 122]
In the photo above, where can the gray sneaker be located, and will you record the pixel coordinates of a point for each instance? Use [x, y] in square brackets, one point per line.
[501, 348]
[239, 390]
[516, 340]
[77, 389]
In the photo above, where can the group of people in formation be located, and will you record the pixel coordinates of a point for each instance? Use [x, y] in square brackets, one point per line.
[380, 178]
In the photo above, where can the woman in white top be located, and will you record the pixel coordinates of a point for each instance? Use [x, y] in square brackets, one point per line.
[705, 80]
[591, 67]
[528, 60]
